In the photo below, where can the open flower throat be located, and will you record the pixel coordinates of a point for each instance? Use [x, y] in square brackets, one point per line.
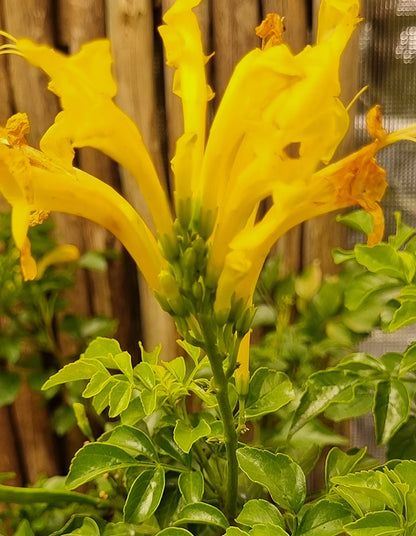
[265, 142]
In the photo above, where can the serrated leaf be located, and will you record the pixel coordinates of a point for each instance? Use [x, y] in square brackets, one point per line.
[409, 360]
[374, 484]
[269, 390]
[148, 398]
[325, 518]
[365, 285]
[130, 439]
[145, 373]
[144, 496]
[177, 368]
[258, 511]
[102, 399]
[119, 398]
[403, 316]
[185, 435]
[123, 360]
[152, 358]
[339, 463]
[83, 369]
[322, 388]
[94, 459]
[381, 258]
[101, 347]
[96, 384]
[191, 486]
[281, 476]
[391, 409]
[193, 351]
[376, 524]
[202, 513]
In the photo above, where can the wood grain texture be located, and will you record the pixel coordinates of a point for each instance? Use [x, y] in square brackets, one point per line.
[138, 70]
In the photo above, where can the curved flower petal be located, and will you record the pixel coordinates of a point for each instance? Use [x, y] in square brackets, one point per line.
[85, 86]
[276, 128]
[182, 39]
[32, 182]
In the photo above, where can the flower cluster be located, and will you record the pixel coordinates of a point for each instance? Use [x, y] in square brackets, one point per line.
[275, 130]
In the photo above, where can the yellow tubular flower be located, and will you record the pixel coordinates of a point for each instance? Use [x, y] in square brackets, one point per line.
[271, 120]
[85, 86]
[182, 39]
[35, 184]
[353, 180]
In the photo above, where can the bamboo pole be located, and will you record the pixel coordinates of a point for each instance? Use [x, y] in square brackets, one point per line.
[130, 26]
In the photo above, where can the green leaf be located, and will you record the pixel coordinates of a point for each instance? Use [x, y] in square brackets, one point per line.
[191, 486]
[9, 387]
[95, 459]
[269, 390]
[403, 444]
[102, 399]
[88, 528]
[324, 518]
[93, 260]
[202, 513]
[82, 420]
[376, 524]
[339, 463]
[83, 369]
[144, 496]
[174, 531]
[365, 285]
[177, 367]
[267, 529]
[119, 397]
[322, 388]
[382, 259]
[24, 529]
[374, 484]
[403, 233]
[149, 527]
[403, 316]
[102, 347]
[281, 476]
[132, 440]
[152, 358]
[148, 399]
[360, 404]
[359, 220]
[123, 360]
[391, 409]
[193, 351]
[235, 531]
[164, 440]
[258, 511]
[185, 436]
[97, 383]
[145, 373]
[409, 360]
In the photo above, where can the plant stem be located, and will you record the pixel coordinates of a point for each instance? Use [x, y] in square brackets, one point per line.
[230, 433]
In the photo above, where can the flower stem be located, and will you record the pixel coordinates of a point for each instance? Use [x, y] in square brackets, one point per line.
[230, 433]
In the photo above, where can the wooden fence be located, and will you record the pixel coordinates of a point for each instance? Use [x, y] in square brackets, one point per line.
[27, 446]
